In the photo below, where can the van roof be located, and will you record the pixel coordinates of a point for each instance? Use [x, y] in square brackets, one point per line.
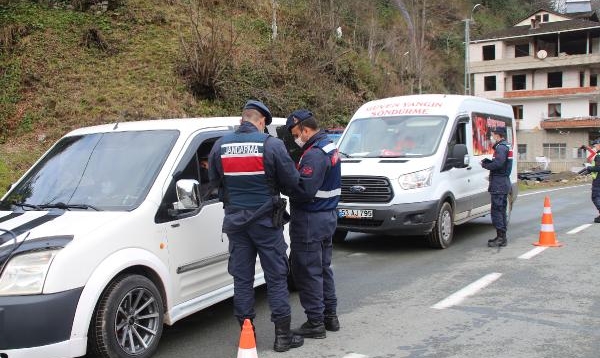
[427, 104]
[181, 124]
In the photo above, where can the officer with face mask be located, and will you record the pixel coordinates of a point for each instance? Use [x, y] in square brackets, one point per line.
[500, 167]
[313, 222]
[251, 168]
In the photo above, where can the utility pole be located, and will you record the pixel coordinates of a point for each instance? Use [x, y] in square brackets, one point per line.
[467, 41]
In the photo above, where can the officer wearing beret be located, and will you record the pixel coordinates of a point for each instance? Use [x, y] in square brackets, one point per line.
[500, 167]
[251, 168]
[313, 222]
[594, 169]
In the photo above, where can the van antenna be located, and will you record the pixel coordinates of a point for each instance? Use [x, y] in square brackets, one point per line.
[116, 126]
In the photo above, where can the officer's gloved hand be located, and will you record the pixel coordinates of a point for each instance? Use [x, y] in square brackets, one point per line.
[486, 161]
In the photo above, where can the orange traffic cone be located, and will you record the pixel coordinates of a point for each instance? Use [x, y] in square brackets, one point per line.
[547, 234]
[247, 347]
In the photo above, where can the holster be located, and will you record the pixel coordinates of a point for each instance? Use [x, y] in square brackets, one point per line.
[280, 214]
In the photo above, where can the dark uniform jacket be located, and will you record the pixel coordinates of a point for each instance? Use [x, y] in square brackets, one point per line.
[500, 167]
[256, 204]
[320, 172]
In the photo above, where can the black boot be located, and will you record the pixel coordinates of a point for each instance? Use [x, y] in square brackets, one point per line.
[331, 322]
[597, 219]
[284, 338]
[500, 240]
[311, 329]
[490, 241]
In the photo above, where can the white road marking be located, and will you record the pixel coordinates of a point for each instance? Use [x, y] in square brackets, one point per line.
[458, 296]
[532, 253]
[549, 190]
[355, 355]
[579, 228]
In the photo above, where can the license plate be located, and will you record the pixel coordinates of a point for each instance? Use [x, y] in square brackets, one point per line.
[355, 214]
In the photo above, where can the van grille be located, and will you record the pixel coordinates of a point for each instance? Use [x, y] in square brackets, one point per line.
[376, 189]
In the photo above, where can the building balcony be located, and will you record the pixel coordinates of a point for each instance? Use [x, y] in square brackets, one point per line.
[552, 92]
[532, 62]
[568, 123]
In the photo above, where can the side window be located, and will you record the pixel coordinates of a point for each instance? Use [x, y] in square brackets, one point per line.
[193, 165]
[459, 136]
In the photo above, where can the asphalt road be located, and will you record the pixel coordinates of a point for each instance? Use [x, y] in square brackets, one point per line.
[544, 306]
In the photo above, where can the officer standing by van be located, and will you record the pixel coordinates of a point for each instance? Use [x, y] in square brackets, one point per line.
[500, 167]
[313, 223]
[594, 169]
[251, 169]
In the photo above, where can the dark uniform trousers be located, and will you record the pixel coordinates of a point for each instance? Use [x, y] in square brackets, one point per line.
[596, 194]
[311, 251]
[269, 244]
[499, 202]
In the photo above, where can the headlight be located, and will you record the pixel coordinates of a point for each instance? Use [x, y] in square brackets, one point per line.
[25, 274]
[415, 180]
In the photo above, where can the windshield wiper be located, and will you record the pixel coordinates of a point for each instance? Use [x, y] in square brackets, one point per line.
[64, 206]
[26, 205]
[345, 155]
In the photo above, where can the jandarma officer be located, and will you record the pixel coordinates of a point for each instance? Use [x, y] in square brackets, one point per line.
[252, 169]
[500, 167]
[313, 223]
[594, 169]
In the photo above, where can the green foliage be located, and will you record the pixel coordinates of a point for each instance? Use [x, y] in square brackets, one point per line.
[10, 77]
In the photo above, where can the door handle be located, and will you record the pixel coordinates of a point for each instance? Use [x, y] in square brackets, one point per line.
[469, 167]
[175, 225]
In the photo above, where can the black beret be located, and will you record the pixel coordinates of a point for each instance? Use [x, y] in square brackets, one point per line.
[259, 106]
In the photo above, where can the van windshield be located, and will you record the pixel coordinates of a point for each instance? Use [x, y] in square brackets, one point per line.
[393, 137]
[99, 171]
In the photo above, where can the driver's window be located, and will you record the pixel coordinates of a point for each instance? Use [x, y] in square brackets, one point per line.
[194, 166]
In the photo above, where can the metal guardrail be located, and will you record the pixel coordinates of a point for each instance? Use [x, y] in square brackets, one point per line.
[555, 167]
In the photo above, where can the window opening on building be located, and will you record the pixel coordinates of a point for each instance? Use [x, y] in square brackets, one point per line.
[554, 79]
[518, 111]
[489, 52]
[489, 83]
[538, 18]
[545, 17]
[555, 150]
[518, 82]
[593, 80]
[553, 110]
[581, 79]
[522, 151]
[593, 109]
[522, 50]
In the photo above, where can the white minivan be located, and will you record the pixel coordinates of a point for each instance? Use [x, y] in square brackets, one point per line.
[108, 236]
[411, 165]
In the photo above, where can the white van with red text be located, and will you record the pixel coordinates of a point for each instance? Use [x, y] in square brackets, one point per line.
[411, 165]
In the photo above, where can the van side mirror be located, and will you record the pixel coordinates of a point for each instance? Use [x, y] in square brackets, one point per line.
[459, 158]
[188, 197]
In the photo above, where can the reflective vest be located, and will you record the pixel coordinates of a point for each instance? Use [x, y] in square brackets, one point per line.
[595, 161]
[328, 195]
[245, 183]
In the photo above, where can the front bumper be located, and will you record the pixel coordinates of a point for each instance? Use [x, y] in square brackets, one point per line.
[29, 322]
[399, 219]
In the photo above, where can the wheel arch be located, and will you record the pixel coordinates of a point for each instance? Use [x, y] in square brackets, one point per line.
[131, 260]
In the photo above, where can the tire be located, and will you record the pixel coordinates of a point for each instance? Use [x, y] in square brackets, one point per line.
[443, 230]
[339, 236]
[118, 329]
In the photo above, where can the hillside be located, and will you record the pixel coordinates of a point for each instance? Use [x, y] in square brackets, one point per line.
[71, 63]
